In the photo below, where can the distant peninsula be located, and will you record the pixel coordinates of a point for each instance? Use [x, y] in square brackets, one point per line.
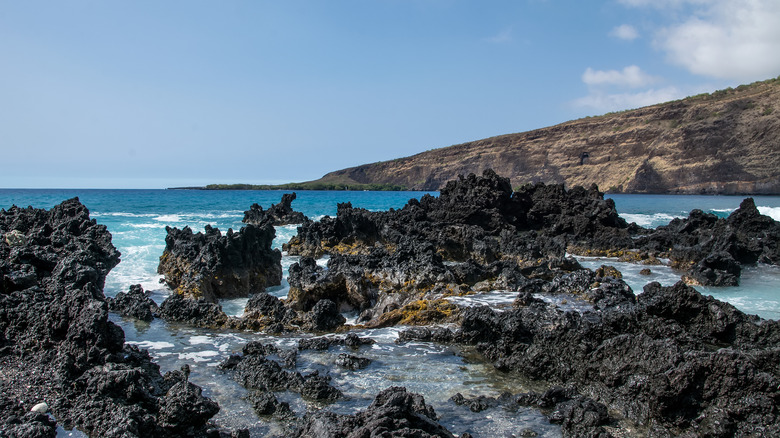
[725, 142]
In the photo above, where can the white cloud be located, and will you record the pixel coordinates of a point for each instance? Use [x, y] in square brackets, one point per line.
[625, 32]
[631, 76]
[726, 39]
[603, 102]
[736, 39]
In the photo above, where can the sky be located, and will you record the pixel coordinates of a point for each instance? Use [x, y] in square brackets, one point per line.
[156, 94]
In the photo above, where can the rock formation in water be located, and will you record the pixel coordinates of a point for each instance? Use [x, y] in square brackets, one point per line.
[672, 360]
[58, 347]
[393, 413]
[719, 143]
[279, 214]
[257, 372]
[210, 265]
[135, 303]
[397, 266]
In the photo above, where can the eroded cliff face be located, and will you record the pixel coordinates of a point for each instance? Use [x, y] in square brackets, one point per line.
[727, 142]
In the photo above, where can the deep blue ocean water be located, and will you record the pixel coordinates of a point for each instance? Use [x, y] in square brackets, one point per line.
[137, 221]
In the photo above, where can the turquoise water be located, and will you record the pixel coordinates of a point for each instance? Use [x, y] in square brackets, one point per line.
[137, 221]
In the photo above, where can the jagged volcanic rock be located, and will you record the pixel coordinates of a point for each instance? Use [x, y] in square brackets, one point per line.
[393, 413]
[135, 303]
[713, 248]
[196, 312]
[256, 372]
[674, 361]
[58, 346]
[279, 214]
[477, 235]
[351, 340]
[211, 265]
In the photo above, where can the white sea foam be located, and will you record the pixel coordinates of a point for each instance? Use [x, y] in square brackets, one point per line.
[773, 212]
[493, 299]
[199, 340]
[120, 214]
[151, 345]
[199, 356]
[648, 220]
[168, 218]
[142, 225]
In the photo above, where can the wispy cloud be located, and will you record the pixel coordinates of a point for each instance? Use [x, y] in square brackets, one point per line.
[504, 36]
[607, 90]
[625, 32]
[631, 76]
[604, 102]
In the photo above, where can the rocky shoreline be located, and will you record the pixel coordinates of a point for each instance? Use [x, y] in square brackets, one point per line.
[669, 360]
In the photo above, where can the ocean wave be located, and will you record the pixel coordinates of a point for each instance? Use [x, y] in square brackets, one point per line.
[168, 218]
[648, 220]
[120, 214]
[773, 212]
[151, 345]
[141, 225]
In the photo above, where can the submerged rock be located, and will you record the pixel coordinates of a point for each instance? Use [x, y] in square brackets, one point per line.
[674, 360]
[256, 372]
[393, 413]
[135, 304]
[211, 265]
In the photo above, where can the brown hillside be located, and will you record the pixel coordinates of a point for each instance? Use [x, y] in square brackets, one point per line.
[727, 142]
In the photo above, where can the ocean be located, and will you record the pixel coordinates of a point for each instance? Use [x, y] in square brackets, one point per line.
[137, 221]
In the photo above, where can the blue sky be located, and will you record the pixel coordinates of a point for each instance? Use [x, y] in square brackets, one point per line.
[154, 94]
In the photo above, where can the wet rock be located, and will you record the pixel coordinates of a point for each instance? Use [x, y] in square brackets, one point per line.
[265, 403]
[210, 265]
[645, 360]
[199, 313]
[645, 271]
[351, 362]
[713, 248]
[480, 402]
[322, 343]
[183, 411]
[135, 304]
[264, 311]
[255, 371]
[393, 413]
[324, 316]
[279, 214]
[717, 269]
[578, 415]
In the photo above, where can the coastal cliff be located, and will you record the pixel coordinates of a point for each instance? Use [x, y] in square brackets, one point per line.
[726, 142]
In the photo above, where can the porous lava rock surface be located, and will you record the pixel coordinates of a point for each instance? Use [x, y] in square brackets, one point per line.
[278, 214]
[211, 265]
[672, 360]
[395, 412]
[57, 345]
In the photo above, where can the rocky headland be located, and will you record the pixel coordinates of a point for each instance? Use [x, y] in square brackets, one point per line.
[723, 142]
